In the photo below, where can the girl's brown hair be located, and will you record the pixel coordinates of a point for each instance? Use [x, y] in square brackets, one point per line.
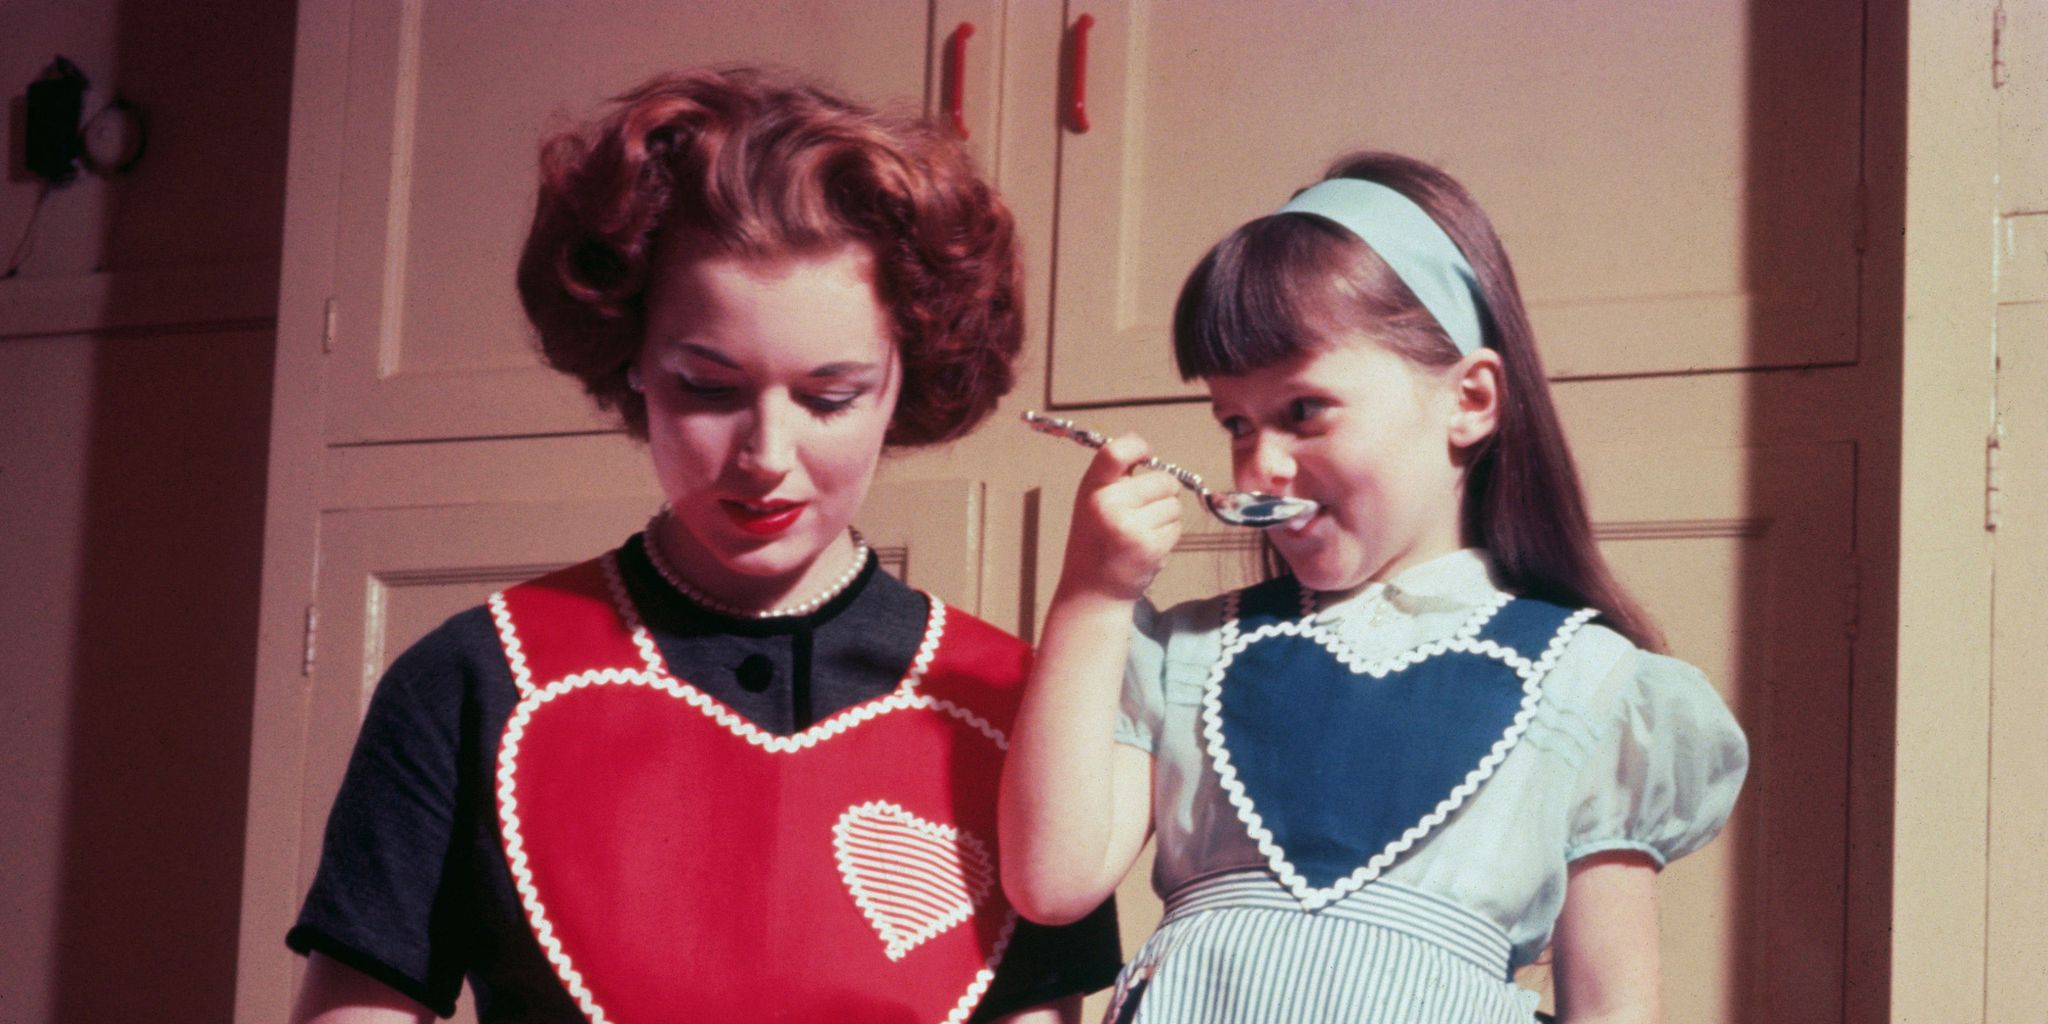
[1278, 286]
[758, 164]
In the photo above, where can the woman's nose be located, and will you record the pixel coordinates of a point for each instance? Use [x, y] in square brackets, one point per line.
[1267, 464]
[769, 447]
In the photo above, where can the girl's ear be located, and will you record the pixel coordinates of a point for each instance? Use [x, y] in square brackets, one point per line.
[1477, 381]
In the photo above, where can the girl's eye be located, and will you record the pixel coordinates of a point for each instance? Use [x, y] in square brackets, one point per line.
[1236, 426]
[1305, 411]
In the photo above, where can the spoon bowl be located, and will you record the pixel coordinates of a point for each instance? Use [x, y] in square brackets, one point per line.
[1256, 509]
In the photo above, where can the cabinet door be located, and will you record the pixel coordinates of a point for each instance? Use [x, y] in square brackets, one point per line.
[1677, 183]
[1744, 556]
[446, 101]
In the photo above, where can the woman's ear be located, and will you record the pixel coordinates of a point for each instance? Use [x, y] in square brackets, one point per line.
[1477, 384]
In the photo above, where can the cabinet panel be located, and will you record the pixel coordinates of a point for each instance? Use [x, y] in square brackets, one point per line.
[1744, 556]
[447, 100]
[1677, 183]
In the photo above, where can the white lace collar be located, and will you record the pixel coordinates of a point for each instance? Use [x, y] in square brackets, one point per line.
[1454, 582]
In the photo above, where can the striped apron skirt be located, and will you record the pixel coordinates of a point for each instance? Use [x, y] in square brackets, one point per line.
[1237, 948]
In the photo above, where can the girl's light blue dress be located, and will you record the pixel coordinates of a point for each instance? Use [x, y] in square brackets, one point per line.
[1365, 804]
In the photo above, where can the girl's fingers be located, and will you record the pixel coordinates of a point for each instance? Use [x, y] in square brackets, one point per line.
[1145, 488]
[1153, 515]
[1149, 486]
[1115, 460]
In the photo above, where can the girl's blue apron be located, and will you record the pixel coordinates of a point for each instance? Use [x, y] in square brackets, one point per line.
[1337, 767]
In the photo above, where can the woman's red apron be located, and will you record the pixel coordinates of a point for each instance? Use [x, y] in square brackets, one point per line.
[678, 864]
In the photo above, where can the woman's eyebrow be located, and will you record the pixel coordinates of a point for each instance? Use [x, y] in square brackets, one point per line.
[845, 369]
[706, 353]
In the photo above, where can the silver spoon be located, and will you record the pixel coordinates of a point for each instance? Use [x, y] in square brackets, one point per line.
[1238, 508]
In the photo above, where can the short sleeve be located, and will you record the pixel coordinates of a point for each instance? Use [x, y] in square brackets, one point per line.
[384, 894]
[1663, 776]
[1142, 706]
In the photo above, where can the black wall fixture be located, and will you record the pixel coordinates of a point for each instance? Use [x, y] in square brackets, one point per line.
[56, 105]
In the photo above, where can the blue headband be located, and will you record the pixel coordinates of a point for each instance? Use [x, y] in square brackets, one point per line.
[1415, 246]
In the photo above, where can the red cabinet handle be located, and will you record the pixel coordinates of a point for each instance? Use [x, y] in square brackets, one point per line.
[956, 77]
[1077, 94]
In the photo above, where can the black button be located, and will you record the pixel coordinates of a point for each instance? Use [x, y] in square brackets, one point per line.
[755, 673]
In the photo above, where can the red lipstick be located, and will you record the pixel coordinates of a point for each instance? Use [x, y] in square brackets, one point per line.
[765, 520]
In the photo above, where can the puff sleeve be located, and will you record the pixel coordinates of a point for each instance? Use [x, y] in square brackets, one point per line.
[1141, 709]
[1663, 775]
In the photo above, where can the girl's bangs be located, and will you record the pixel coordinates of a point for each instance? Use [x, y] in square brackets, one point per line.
[1261, 296]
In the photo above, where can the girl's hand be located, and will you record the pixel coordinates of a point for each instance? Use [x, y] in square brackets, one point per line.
[1124, 525]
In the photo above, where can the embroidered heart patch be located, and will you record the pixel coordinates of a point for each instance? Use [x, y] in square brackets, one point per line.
[913, 879]
[1337, 767]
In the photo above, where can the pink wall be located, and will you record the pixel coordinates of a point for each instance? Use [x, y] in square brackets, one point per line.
[131, 511]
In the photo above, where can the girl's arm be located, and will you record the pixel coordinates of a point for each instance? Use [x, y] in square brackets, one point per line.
[334, 993]
[1606, 942]
[1076, 805]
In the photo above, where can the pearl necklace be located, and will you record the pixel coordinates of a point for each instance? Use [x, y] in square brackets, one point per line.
[652, 543]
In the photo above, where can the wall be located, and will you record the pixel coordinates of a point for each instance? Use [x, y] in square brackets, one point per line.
[135, 353]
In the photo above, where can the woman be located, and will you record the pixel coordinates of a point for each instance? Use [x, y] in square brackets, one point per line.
[731, 770]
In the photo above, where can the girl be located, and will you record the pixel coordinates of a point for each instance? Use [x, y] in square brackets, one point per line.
[1440, 739]
[693, 778]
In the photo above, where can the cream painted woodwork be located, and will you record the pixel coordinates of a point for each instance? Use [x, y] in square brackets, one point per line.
[1632, 155]
[445, 103]
[1945, 864]
[2017, 925]
[2016, 928]
[1744, 555]
[389, 575]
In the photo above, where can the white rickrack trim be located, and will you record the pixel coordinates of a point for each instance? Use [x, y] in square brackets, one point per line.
[955, 884]
[979, 986]
[1531, 673]
[1483, 615]
[650, 655]
[906, 695]
[1231, 601]
[1466, 640]
[515, 840]
[508, 638]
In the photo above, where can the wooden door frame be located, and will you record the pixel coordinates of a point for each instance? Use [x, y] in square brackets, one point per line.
[1940, 837]
[263, 979]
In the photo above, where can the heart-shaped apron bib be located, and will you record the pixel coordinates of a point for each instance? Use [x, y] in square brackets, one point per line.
[678, 864]
[1337, 765]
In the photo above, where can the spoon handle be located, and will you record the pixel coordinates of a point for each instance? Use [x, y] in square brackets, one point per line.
[1081, 435]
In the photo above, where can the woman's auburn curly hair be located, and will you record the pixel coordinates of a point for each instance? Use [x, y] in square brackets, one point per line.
[759, 164]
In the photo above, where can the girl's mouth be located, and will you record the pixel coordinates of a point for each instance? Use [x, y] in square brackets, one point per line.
[1296, 524]
[765, 518]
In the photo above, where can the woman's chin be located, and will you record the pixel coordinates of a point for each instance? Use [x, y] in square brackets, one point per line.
[771, 566]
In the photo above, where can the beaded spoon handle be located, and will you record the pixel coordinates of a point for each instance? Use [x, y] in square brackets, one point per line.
[1238, 508]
